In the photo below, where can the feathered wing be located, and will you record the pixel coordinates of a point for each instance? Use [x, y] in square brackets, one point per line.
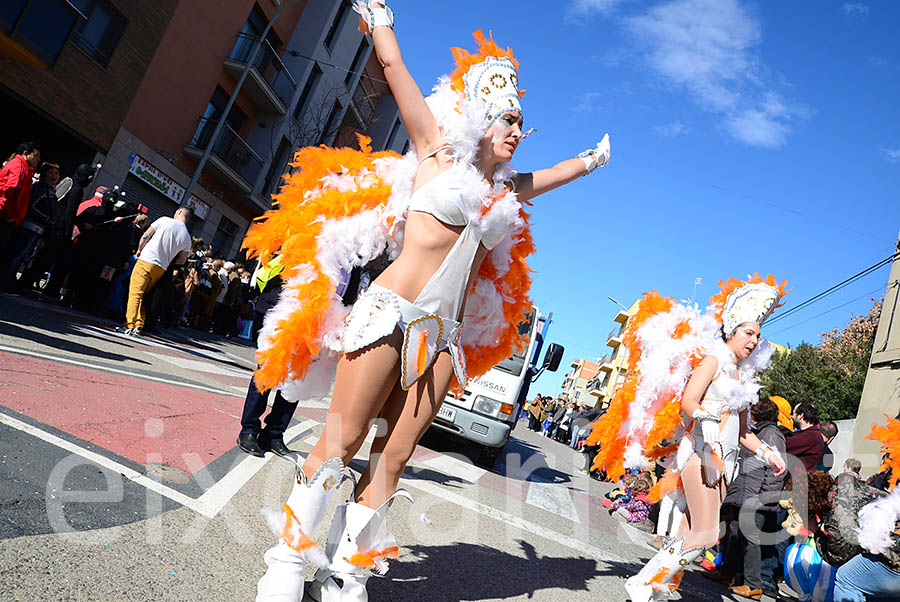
[340, 208]
[664, 341]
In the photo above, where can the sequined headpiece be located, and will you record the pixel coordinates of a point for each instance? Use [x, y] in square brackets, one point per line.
[491, 75]
[753, 300]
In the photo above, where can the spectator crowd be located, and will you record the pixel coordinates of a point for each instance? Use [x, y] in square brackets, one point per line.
[101, 254]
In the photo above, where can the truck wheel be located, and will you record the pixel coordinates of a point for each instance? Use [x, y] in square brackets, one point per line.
[488, 456]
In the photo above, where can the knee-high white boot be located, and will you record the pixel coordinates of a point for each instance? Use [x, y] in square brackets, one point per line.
[296, 548]
[661, 575]
[354, 549]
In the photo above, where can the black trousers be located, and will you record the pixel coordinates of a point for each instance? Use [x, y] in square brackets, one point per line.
[277, 419]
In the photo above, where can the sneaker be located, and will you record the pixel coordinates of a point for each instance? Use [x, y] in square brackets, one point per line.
[136, 332]
[123, 330]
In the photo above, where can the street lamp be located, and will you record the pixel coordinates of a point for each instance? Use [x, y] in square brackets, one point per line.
[237, 88]
[617, 303]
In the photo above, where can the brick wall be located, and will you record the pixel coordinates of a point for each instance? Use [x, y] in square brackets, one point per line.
[77, 92]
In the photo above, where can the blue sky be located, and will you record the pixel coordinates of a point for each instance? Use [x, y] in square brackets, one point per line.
[745, 137]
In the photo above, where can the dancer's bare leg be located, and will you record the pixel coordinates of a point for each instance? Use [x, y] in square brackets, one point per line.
[408, 415]
[704, 504]
[363, 382]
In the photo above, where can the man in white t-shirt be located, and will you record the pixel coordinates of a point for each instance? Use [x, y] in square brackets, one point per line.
[166, 239]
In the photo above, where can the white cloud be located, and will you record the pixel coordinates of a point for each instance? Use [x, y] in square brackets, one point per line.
[586, 7]
[855, 8]
[892, 154]
[707, 47]
[590, 102]
[670, 130]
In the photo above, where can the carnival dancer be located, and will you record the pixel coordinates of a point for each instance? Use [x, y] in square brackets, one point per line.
[449, 215]
[697, 369]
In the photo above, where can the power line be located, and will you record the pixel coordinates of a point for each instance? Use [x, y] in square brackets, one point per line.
[825, 312]
[835, 288]
[750, 198]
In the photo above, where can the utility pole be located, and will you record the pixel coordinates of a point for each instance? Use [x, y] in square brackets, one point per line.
[881, 392]
[237, 88]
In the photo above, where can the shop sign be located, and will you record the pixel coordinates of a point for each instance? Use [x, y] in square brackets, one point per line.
[153, 177]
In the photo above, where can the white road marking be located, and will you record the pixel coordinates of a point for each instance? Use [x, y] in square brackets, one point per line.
[102, 368]
[209, 504]
[198, 366]
[518, 522]
[552, 498]
[449, 465]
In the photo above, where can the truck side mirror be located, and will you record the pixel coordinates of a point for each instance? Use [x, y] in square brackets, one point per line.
[553, 357]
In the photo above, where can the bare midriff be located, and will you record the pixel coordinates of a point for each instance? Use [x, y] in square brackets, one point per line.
[426, 242]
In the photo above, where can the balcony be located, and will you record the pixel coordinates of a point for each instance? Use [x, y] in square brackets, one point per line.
[614, 339]
[231, 160]
[268, 83]
[621, 317]
[606, 364]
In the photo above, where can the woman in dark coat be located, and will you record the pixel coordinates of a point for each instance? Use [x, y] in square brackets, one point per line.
[756, 489]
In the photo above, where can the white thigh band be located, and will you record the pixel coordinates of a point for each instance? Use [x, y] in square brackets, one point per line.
[379, 311]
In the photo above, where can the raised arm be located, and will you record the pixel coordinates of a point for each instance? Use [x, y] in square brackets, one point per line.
[530, 185]
[417, 117]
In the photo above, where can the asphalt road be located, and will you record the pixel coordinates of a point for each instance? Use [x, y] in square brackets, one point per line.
[120, 480]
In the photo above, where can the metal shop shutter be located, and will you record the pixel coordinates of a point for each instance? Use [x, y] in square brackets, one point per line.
[137, 191]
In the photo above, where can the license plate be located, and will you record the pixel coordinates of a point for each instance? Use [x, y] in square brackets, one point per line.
[446, 413]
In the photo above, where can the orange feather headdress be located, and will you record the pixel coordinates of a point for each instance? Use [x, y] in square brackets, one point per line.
[751, 300]
[491, 74]
[889, 437]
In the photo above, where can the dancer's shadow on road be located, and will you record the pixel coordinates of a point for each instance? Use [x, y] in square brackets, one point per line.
[473, 572]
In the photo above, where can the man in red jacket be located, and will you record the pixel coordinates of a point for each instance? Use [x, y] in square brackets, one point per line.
[806, 444]
[15, 189]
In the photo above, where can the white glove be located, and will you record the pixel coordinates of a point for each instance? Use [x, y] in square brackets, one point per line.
[766, 453]
[709, 425]
[374, 13]
[596, 157]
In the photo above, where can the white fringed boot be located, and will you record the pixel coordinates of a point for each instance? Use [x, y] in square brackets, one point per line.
[296, 526]
[354, 549]
[661, 575]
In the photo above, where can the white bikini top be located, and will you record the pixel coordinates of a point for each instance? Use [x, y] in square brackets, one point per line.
[445, 197]
[456, 197]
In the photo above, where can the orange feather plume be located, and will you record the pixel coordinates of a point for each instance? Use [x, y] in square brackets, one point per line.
[889, 437]
[294, 229]
[465, 60]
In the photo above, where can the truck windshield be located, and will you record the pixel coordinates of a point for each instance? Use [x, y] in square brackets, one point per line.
[514, 364]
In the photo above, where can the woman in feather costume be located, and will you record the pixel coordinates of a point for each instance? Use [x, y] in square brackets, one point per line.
[449, 214]
[696, 370]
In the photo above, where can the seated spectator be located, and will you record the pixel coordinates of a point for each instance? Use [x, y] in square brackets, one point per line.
[874, 573]
[829, 431]
[634, 507]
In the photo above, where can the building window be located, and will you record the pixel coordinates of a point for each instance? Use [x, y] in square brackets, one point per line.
[40, 26]
[224, 236]
[277, 167]
[393, 137]
[311, 83]
[357, 61]
[211, 116]
[99, 34]
[405, 148]
[331, 124]
[336, 24]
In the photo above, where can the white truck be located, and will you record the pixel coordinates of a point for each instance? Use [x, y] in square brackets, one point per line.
[489, 407]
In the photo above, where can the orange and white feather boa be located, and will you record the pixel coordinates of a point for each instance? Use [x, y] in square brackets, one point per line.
[665, 341]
